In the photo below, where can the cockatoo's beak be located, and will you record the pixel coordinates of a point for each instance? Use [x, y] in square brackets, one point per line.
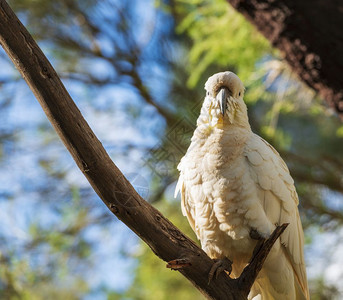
[222, 99]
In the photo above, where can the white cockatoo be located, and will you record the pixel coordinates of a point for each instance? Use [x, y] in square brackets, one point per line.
[232, 183]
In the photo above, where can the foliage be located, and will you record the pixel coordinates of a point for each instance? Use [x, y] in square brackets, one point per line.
[321, 291]
[219, 36]
[60, 247]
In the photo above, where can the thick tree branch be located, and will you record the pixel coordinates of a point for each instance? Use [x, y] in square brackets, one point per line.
[165, 240]
[309, 34]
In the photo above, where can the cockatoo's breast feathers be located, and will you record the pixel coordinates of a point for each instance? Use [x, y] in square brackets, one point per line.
[225, 79]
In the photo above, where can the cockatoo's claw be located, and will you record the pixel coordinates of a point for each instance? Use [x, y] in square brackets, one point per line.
[255, 235]
[177, 264]
[257, 248]
[220, 265]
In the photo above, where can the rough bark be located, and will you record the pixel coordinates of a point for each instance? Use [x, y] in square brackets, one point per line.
[165, 240]
[309, 34]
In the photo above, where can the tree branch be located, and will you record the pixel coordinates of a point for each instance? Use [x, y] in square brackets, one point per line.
[164, 239]
[309, 34]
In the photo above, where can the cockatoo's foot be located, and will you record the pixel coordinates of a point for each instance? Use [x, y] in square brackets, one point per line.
[255, 235]
[220, 265]
[177, 264]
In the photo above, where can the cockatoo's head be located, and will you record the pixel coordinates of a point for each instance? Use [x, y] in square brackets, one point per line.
[224, 99]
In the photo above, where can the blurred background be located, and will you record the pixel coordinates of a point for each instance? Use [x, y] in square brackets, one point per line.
[136, 69]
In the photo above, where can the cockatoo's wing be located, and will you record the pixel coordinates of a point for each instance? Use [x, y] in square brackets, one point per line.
[186, 207]
[187, 201]
[189, 185]
[279, 199]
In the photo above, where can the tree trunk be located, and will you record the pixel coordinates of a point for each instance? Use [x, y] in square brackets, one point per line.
[310, 35]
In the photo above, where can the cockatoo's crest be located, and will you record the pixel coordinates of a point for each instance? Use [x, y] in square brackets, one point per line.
[224, 99]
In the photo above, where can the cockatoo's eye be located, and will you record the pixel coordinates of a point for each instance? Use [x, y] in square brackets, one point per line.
[208, 93]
